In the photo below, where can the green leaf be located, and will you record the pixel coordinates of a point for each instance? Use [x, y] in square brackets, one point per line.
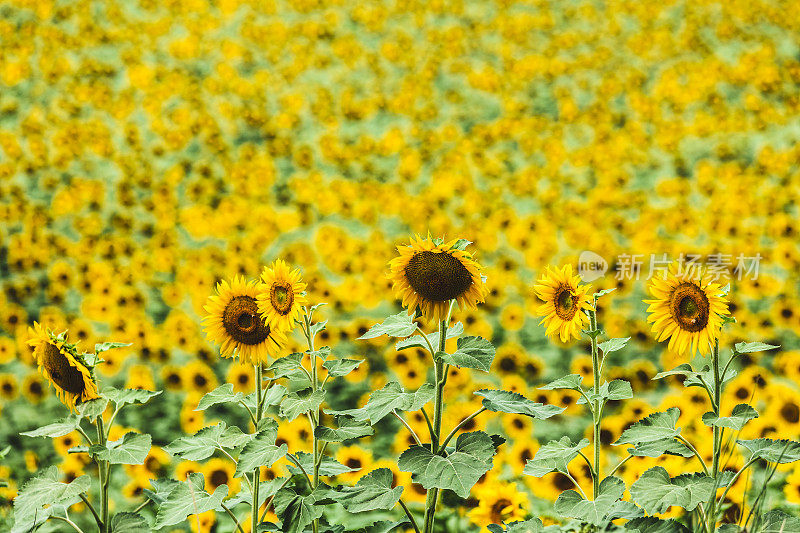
[317, 327]
[56, 429]
[775, 451]
[600, 511]
[777, 521]
[392, 397]
[459, 471]
[554, 457]
[654, 427]
[289, 366]
[418, 341]
[93, 408]
[571, 382]
[266, 489]
[125, 396]
[399, 325]
[534, 525]
[471, 352]
[618, 389]
[349, 428]
[501, 401]
[598, 294]
[296, 404]
[222, 394]
[656, 492]
[43, 495]
[682, 370]
[657, 448]
[105, 346]
[651, 524]
[706, 375]
[296, 511]
[273, 395]
[612, 345]
[341, 367]
[188, 498]
[202, 444]
[132, 449]
[129, 523]
[750, 347]
[372, 492]
[321, 354]
[162, 489]
[261, 451]
[328, 467]
[740, 415]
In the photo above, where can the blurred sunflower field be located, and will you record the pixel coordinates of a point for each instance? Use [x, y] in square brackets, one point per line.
[164, 162]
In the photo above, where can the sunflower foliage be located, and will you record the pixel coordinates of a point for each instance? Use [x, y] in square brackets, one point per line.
[93, 413]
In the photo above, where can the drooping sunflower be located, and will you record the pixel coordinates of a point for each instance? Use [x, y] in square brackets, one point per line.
[565, 302]
[688, 308]
[61, 364]
[430, 273]
[234, 323]
[282, 299]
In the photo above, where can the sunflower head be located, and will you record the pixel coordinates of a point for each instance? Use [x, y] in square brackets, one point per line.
[689, 308]
[282, 296]
[565, 302]
[233, 322]
[430, 273]
[63, 367]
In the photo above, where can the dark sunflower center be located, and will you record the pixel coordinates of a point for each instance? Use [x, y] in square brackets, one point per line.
[497, 510]
[564, 302]
[353, 463]
[218, 477]
[240, 320]
[60, 371]
[689, 306]
[282, 297]
[437, 276]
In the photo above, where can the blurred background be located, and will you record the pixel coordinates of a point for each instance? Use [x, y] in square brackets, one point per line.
[150, 148]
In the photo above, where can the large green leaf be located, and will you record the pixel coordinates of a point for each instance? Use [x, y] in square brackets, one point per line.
[501, 401]
[600, 511]
[132, 449]
[612, 345]
[458, 471]
[222, 394]
[654, 427]
[348, 429]
[657, 448]
[341, 367]
[105, 346]
[534, 525]
[740, 415]
[289, 367]
[471, 352]
[777, 521]
[656, 492]
[261, 451]
[392, 397]
[93, 408]
[328, 466]
[571, 382]
[651, 524]
[129, 523]
[554, 457]
[296, 511]
[202, 444]
[266, 489]
[56, 429]
[617, 389]
[126, 396]
[298, 403]
[418, 341]
[188, 498]
[40, 497]
[372, 492]
[399, 325]
[750, 347]
[775, 451]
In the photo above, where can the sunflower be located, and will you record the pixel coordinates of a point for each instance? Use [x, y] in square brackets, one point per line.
[688, 308]
[234, 323]
[499, 503]
[282, 299]
[429, 274]
[63, 367]
[565, 300]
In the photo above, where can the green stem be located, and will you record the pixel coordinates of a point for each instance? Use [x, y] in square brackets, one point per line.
[104, 470]
[459, 426]
[314, 416]
[68, 521]
[410, 516]
[715, 405]
[597, 414]
[257, 470]
[93, 510]
[438, 407]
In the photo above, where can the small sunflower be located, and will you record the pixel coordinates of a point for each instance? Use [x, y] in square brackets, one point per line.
[63, 366]
[234, 323]
[430, 273]
[687, 307]
[565, 300]
[282, 300]
[499, 503]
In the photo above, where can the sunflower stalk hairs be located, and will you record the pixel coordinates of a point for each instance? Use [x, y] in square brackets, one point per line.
[72, 374]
